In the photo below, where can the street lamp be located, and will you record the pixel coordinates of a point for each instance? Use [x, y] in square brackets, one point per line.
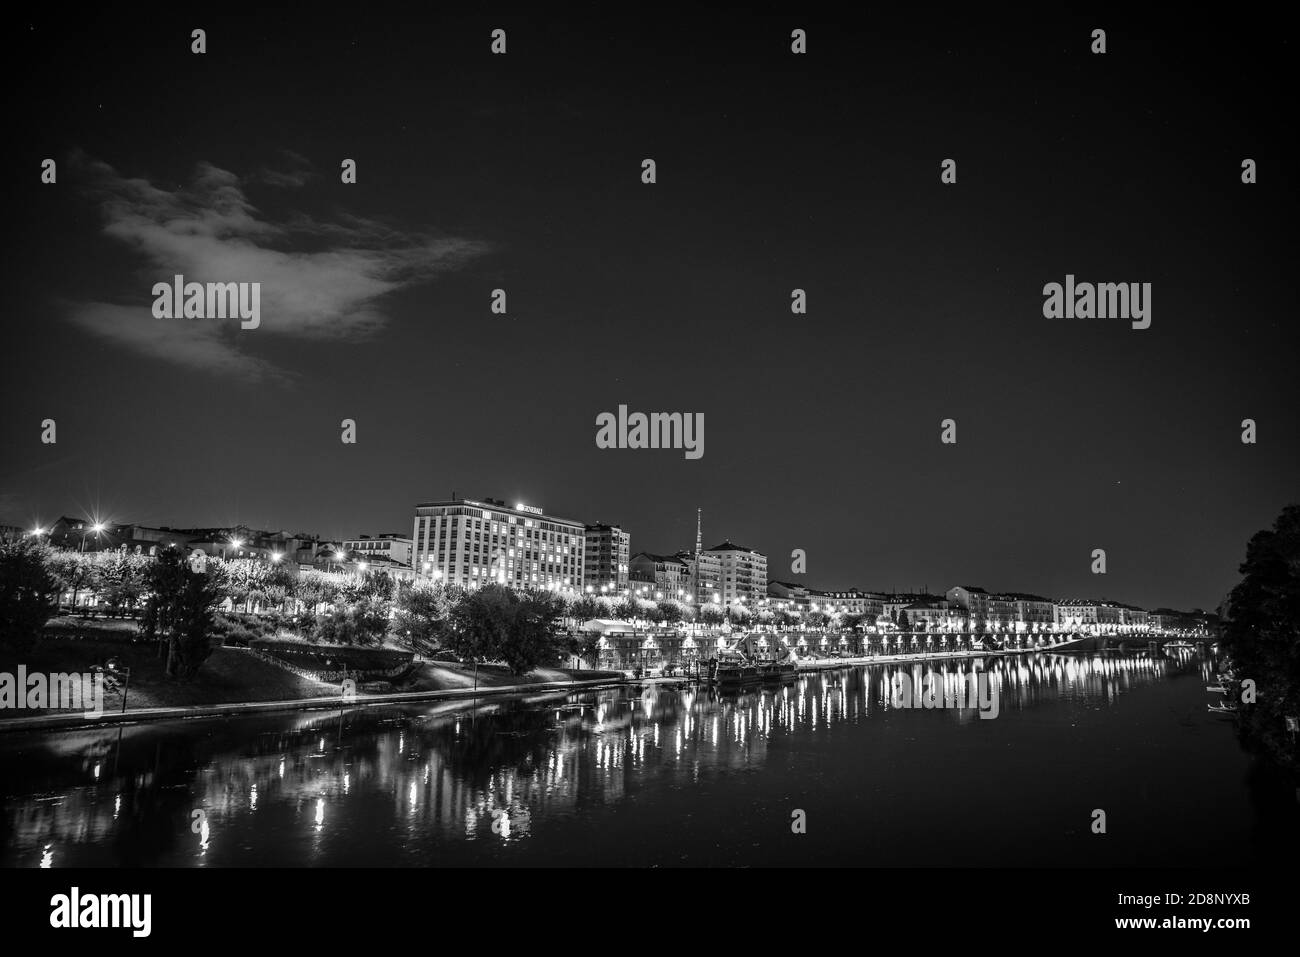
[96, 528]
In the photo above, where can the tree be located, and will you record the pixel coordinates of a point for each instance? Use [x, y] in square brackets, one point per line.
[119, 579]
[903, 623]
[315, 588]
[244, 578]
[477, 625]
[29, 592]
[583, 645]
[632, 608]
[586, 608]
[671, 611]
[496, 622]
[534, 636]
[180, 609]
[711, 613]
[380, 585]
[1261, 636]
[363, 623]
[275, 596]
[73, 571]
[422, 616]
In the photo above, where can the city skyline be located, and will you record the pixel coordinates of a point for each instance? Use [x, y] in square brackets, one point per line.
[416, 559]
[821, 173]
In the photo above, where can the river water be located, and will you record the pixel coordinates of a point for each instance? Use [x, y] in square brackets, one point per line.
[825, 770]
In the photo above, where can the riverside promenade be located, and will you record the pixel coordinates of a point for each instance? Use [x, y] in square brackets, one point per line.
[70, 720]
[829, 664]
[73, 720]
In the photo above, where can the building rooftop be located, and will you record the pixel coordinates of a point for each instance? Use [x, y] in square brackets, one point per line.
[729, 546]
[664, 559]
[530, 511]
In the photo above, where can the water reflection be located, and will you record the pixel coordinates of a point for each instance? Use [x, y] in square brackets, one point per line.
[431, 785]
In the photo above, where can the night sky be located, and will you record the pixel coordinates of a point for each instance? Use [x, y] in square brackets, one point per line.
[775, 172]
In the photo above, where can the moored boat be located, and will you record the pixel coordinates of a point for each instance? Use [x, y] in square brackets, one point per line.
[740, 675]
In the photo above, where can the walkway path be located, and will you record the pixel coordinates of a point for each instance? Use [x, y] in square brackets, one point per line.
[52, 722]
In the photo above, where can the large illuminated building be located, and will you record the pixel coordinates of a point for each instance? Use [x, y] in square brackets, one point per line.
[472, 543]
[606, 566]
[743, 574]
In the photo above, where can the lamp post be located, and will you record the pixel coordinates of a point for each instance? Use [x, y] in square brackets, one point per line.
[96, 528]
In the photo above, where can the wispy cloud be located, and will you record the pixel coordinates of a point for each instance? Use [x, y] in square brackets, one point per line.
[319, 279]
[297, 172]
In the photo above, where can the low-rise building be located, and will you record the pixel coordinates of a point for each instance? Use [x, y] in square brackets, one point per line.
[1089, 615]
[389, 548]
[668, 575]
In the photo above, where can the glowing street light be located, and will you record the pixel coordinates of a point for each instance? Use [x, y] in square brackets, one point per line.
[96, 528]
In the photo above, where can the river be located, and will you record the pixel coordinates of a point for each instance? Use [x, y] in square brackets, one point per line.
[825, 770]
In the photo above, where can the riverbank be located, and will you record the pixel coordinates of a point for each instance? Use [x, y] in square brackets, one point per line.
[238, 681]
[62, 721]
[828, 664]
[234, 682]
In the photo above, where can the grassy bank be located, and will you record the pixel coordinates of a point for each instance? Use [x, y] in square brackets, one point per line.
[229, 675]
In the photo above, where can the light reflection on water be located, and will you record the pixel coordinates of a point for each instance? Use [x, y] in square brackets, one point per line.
[665, 776]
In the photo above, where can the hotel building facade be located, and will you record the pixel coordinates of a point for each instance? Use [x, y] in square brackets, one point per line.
[472, 543]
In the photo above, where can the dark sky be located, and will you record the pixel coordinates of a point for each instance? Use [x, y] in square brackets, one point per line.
[775, 171]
